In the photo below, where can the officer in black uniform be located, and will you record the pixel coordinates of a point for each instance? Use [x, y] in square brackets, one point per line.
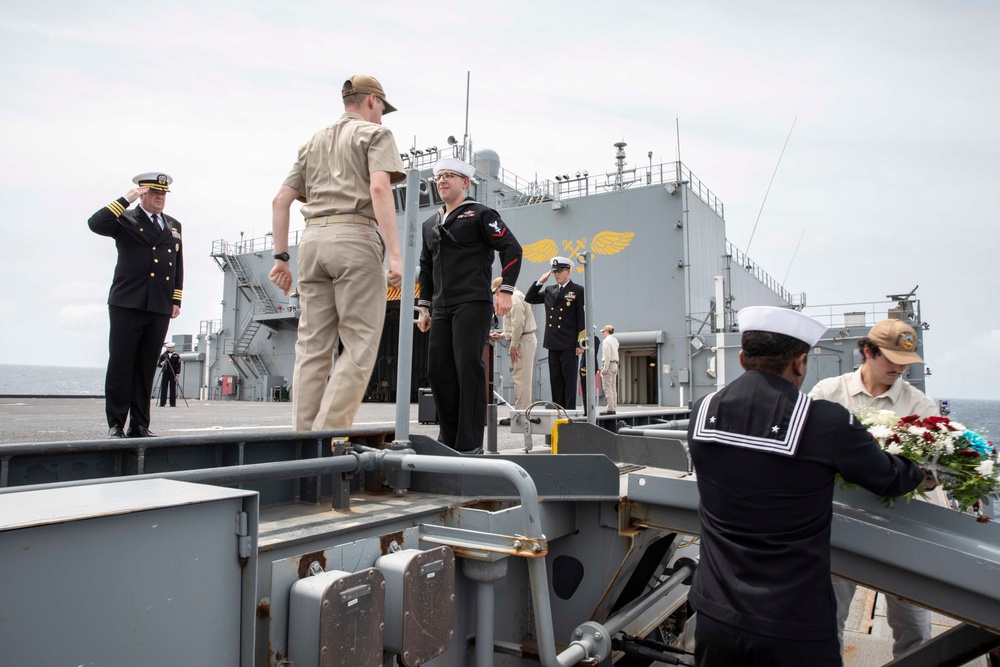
[460, 243]
[766, 457]
[564, 328]
[170, 365]
[145, 294]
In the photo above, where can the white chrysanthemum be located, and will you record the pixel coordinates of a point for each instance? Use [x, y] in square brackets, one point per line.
[880, 431]
[895, 448]
[985, 468]
[958, 427]
[949, 445]
[885, 418]
[917, 431]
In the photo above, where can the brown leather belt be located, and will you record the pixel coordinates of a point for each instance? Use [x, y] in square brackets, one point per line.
[325, 220]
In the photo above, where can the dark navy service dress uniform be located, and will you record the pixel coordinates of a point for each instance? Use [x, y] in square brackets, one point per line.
[456, 266]
[171, 370]
[564, 331]
[148, 283]
[766, 457]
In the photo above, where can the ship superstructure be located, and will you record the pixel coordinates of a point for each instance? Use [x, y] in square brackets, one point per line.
[662, 270]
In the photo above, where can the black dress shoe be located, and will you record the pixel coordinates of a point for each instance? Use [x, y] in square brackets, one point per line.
[140, 432]
[504, 422]
[116, 432]
[608, 412]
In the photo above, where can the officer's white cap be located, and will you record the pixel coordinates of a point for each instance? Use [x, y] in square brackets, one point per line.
[168, 345]
[783, 321]
[561, 263]
[154, 180]
[456, 165]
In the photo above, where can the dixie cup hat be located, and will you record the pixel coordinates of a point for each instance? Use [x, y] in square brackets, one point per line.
[456, 165]
[783, 321]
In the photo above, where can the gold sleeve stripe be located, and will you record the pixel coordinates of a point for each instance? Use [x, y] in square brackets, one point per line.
[583, 334]
[116, 208]
[177, 294]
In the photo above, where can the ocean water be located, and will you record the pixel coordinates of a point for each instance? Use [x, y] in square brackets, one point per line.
[980, 415]
[51, 380]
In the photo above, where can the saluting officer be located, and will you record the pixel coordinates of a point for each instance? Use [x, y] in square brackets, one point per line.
[456, 300]
[564, 328]
[145, 294]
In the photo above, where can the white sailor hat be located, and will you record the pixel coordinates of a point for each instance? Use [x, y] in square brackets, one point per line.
[168, 344]
[154, 181]
[456, 165]
[781, 320]
[559, 263]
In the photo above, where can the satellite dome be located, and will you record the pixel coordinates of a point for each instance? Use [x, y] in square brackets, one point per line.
[488, 162]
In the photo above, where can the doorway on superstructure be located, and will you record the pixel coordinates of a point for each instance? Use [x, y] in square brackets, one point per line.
[637, 378]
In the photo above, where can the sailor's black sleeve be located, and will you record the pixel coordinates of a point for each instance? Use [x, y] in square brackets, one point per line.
[499, 236]
[534, 294]
[105, 221]
[426, 277]
[859, 459]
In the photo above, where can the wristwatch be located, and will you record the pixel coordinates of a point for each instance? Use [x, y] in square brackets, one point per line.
[283, 256]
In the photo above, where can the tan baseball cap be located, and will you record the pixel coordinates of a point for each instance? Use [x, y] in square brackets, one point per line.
[497, 282]
[367, 85]
[896, 340]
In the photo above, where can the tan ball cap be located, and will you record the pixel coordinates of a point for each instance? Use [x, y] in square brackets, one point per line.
[367, 85]
[897, 341]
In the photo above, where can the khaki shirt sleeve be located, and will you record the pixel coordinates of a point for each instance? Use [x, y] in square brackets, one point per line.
[384, 156]
[517, 318]
[295, 180]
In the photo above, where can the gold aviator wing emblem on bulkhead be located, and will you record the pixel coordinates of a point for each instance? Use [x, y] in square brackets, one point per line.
[605, 243]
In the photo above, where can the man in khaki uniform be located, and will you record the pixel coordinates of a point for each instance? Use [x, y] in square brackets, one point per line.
[344, 176]
[609, 369]
[519, 328]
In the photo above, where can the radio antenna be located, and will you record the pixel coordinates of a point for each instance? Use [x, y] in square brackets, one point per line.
[754, 230]
[465, 138]
[793, 256]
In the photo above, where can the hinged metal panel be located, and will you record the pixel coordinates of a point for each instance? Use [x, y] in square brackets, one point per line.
[336, 619]
[419, 603]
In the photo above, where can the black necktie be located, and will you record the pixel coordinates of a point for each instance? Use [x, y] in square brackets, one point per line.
[157, 221]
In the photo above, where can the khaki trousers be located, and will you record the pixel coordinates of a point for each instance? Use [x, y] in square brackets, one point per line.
[341, 286]
[523, 371]
[609, 380]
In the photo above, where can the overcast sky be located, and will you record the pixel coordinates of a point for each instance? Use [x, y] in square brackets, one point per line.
[888, 180]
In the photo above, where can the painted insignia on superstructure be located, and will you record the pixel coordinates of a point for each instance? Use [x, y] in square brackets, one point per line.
[604, 243]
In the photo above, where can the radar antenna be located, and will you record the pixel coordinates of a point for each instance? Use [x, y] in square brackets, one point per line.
[620, 158]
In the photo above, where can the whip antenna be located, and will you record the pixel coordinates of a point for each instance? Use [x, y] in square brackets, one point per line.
[747, 251]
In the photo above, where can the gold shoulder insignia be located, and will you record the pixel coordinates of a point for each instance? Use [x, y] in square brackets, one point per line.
[540, 251]
[611, 243]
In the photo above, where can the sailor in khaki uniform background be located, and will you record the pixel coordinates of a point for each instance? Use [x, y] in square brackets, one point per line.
[344, 176]
[519, 328]
[145, 294]
[564, 328]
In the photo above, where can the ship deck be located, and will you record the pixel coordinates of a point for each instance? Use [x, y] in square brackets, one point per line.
[52, 419]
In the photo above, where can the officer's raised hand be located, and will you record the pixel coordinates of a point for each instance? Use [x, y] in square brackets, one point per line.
[545, 276]
[135, 193]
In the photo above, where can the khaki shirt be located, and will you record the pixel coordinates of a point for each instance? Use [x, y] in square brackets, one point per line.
[902, 397]
[333, 170]
[519, 321]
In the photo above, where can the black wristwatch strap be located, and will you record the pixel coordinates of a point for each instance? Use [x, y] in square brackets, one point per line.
[283, 256]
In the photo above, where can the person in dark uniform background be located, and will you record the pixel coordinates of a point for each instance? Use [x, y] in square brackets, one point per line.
[145, 294]
[170, 363]
[456, 304]
[564, 328]
[766, 457]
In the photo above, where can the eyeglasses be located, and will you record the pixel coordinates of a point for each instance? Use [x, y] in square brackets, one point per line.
[445, 175]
